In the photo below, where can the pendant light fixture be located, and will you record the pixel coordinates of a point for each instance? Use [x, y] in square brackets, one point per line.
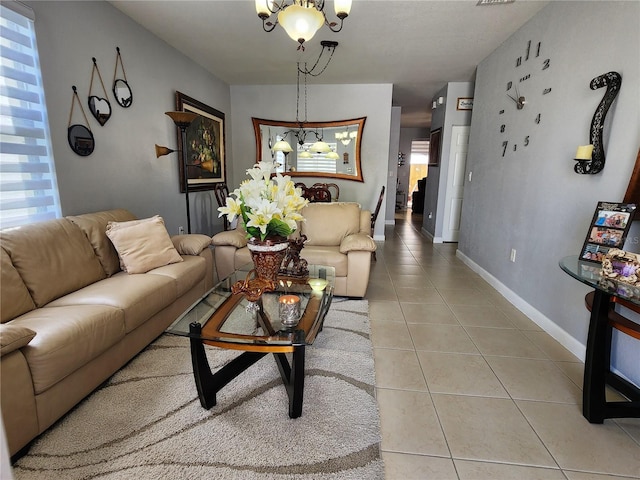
[301, 19]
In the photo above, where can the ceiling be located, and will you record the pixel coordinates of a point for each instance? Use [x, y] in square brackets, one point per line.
[417, 45]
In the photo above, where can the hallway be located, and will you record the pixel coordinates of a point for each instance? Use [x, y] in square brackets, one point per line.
[468, 386]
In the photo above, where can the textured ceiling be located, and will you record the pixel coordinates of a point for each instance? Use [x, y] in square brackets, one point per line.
[417, 45]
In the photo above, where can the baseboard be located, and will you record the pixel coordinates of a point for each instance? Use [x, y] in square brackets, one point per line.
[390, 222]
[379, 238]
[431, 237]
[544, 322]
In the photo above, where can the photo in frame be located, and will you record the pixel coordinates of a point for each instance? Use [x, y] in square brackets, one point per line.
[206, 161]
[434, 147]
[608, 230]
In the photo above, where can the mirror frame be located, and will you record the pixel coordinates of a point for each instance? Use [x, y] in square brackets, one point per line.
[337, 123]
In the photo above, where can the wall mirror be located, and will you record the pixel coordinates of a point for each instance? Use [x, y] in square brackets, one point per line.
[340, 160]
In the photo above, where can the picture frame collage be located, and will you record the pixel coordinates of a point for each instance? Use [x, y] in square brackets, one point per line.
[608, 230]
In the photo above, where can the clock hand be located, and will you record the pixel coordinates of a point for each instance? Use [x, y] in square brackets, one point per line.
[513, 98]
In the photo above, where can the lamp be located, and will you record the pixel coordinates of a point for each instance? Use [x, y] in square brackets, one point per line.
[182, 121]
[301, 19]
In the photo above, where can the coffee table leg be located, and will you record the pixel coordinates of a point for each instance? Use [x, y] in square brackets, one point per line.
[207, 383]
[293, 378]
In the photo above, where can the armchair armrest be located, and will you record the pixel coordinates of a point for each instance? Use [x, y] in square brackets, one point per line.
[190, 244]
[13, 337]
[235, 238]
[357, 242]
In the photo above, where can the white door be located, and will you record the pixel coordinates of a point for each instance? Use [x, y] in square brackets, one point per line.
[455, 183]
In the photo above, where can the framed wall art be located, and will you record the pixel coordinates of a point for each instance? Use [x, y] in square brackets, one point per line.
[435, 141]
[206, 162]
[608, 230]
[464, 103]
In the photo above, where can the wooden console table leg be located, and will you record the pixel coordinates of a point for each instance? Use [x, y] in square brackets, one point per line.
[596, 359]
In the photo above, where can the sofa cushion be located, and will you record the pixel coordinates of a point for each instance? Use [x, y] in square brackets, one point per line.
[94, 226]
[13, 292]
[191, 244]
[53, 258]
[67, 338]
[186, 274]
[142, 245]
[13, 337]
[319, 255]
[328, 223]
[139, 296]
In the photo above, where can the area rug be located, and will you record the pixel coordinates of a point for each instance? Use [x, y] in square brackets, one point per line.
[146, 422]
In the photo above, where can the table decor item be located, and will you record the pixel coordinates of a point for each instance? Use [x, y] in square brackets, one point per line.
[608, 230]
[621, 266]
[289, 310]
[270, 209]
[317, 284]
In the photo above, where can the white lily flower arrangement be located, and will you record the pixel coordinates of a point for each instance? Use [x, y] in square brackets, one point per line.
[268, 206]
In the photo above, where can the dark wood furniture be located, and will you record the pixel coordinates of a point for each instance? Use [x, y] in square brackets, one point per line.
[603, 319]
[374, 217]
[221, 191]
[332, 187]
[315, 194]
[221, 319]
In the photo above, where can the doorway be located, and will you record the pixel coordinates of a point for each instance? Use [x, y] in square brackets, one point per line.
[418, 166]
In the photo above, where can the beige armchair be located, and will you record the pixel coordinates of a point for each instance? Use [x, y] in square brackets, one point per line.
[338, 235]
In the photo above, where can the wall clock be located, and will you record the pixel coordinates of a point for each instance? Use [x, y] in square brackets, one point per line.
[521, 106]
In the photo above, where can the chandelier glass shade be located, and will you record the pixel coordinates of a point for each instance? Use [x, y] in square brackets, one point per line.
[301, 19]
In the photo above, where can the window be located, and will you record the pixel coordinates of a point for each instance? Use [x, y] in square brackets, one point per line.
[28, 189]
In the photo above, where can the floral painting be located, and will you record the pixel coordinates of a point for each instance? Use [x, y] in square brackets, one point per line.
[205, 162]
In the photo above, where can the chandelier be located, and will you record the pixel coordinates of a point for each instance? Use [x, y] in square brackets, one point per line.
[302, 129]
[301, 19]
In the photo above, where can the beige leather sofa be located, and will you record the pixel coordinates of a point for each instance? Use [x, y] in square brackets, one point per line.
[71, 318]
[338, 235]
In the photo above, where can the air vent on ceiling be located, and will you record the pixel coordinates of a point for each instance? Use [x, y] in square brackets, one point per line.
[494, 2]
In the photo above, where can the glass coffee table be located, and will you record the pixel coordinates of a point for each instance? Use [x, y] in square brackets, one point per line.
[222, 319]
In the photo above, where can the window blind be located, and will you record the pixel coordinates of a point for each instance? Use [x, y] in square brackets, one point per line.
[28, 189]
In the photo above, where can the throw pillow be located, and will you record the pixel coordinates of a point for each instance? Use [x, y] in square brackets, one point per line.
[142, 245]
[13, 337]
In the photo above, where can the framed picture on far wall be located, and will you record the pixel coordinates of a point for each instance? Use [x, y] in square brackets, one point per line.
[435, 147]
[205, 146]
[608, 229]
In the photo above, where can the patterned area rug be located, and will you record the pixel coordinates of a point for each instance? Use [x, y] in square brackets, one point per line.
[147, 422]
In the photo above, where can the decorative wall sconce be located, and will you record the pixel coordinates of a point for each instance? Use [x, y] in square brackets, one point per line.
[440, 100]
[434, 105]
[594, 160]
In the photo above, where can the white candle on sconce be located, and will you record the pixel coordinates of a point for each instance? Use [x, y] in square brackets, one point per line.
[584, 152]
[289, 309]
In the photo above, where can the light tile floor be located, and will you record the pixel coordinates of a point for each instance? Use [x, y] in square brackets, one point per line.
[470, 388]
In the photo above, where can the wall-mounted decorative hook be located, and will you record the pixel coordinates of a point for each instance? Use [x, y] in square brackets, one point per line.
[595, 161]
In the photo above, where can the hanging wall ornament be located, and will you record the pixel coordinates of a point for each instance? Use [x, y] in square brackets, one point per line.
[99, 106]
[121, 89]
[79, 136]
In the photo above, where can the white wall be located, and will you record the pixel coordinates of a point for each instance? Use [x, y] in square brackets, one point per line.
[324, 103]
[123, 171]
[389, 202]
[531, 199]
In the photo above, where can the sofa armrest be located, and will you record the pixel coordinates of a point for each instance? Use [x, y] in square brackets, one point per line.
[235, 238]
[190, 244]
[357, 242]
[365, 222]
[13, 337]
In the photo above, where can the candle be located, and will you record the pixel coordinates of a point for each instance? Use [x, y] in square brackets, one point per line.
[584, 152]
[289, 309]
